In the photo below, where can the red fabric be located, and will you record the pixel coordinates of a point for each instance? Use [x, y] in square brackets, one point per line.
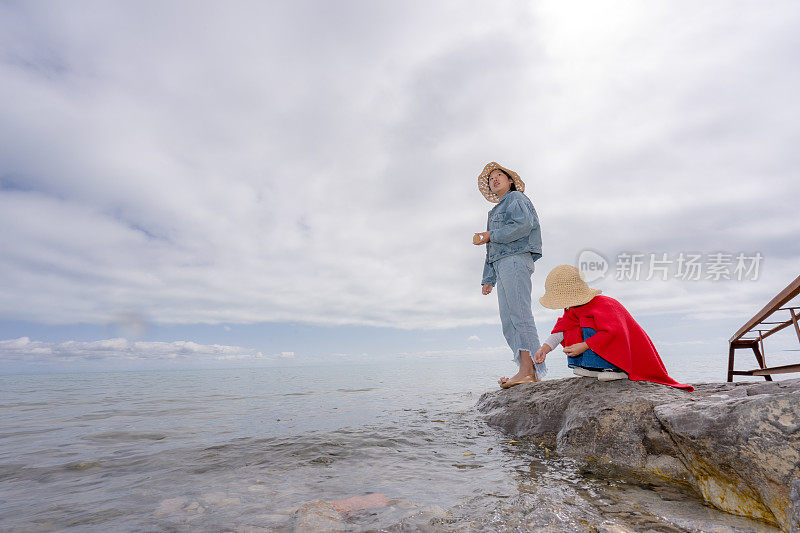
[620, 340]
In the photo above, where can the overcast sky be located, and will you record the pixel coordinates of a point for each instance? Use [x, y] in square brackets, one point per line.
[297, 181]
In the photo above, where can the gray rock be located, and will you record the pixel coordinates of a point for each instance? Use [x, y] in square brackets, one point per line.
[737, 444]
[316, 516]
[609, 422]
[219, 499]
[795, 499]
[744, 452]
[169, 506]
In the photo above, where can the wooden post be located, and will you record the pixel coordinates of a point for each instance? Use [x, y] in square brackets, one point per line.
[794, 320]
[730, 362]
[760, 360]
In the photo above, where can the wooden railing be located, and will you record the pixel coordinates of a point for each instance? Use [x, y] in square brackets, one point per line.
[751, 336]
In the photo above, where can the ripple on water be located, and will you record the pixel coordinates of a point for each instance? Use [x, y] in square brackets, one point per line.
[125, 436]
[413, 457]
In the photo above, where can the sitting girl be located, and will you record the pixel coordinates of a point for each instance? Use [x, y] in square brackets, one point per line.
[601, 339]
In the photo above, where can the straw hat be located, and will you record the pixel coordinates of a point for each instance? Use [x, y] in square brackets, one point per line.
[564, 287]
[483, 181]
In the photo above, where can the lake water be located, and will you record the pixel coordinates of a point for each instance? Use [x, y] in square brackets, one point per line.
[263, 450]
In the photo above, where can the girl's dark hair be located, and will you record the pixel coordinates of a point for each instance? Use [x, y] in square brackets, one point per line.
[513, 185]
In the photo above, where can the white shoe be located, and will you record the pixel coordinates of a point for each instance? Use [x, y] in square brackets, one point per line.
[611, 376]
[578, 371]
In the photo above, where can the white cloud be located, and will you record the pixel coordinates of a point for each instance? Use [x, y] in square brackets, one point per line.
[25, 350]
[473, 338]
[269, 164]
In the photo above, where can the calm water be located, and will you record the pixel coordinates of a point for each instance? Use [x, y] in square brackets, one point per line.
[254, 449]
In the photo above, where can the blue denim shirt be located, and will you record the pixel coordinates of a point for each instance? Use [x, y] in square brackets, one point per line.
[513, 227]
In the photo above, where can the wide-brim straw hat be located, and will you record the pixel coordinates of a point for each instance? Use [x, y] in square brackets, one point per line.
[483, 181]
[565, 287]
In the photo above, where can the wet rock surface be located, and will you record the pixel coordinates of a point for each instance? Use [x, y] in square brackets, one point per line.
[736, 444]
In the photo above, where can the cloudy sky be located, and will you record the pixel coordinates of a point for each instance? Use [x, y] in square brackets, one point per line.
[210, 183]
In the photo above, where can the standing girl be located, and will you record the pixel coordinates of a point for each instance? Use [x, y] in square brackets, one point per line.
[513, 242]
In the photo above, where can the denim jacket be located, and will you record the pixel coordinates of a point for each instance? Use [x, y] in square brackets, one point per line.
[513, 227]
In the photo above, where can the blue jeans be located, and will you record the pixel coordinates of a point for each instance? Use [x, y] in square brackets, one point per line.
[589, 359]
[514, 297]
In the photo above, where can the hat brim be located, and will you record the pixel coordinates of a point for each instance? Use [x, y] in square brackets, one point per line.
[552, 301]
[483, 181]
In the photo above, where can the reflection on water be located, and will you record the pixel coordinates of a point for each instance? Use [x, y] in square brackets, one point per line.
[245, 450]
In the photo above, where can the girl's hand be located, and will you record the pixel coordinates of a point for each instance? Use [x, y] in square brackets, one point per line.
[574, 350]
[480, 238]
[486, 289]
[541, 353]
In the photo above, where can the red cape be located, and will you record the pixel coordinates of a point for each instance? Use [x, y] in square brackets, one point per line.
[620, 340]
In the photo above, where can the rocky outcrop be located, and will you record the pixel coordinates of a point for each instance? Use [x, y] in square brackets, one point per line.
[737, 444]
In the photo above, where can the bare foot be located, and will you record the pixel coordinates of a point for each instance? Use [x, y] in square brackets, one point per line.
[519, 376]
